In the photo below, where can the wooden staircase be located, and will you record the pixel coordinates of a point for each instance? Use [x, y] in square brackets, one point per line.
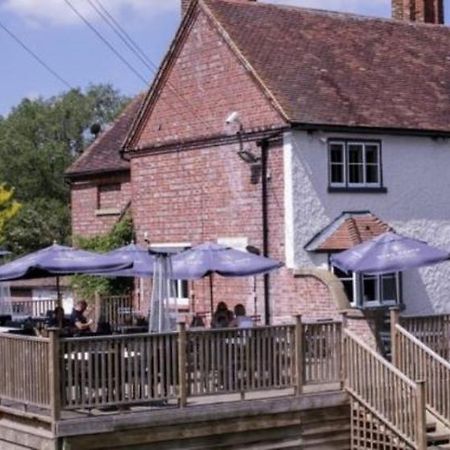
[438, 435]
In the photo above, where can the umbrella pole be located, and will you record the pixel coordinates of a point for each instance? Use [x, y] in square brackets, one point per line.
[211, 295]
[58, 292]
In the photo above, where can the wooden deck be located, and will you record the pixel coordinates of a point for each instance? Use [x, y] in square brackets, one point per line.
[130, 391]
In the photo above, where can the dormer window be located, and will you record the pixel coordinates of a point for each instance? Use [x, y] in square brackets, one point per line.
[354, 165]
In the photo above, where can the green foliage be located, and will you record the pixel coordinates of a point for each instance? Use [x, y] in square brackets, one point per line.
[39, 139]
[8, 208]
[86, 286]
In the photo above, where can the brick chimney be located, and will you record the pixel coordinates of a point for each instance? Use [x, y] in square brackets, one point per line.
[185, 4]
[428, 11]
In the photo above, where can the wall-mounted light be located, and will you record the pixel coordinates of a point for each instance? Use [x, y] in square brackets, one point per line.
[248, 157]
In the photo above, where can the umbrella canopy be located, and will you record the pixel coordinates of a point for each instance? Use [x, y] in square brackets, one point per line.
[143, 261]
[60, 260]
[209, 258]
[389, 252]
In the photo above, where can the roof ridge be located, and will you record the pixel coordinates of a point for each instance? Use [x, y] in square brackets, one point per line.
[329, 12]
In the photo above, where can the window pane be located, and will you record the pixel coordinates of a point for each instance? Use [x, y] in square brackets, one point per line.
[370, 289]
[337, 173]
[356, 173]
[372, 173]
[389, 290]
[355, 153]
[347, 281]
[372, 154]
[337, 153]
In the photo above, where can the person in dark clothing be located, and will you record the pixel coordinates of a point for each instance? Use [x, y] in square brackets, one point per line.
[78, 321]
[222, 316]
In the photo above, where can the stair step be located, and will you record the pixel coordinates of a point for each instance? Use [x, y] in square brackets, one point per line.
[438, 438]
[430, 427]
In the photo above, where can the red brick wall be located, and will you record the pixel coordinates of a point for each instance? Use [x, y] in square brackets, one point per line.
[85, 204]
[205, 193]
[210, 84]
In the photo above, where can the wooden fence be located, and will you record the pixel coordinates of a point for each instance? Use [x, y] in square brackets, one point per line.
[32, 308]
[103, 371]
[117, 310]
[433, 331]
[24, 370]
[419, 362]
[385, 392]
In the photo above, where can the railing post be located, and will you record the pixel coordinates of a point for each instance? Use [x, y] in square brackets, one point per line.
[54, 376]
[299, 355]
[182, 348]
[343, 349]
[421, 416]
[395, 319]
[98, 307]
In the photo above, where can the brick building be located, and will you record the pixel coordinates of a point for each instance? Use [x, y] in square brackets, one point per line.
[315, 99]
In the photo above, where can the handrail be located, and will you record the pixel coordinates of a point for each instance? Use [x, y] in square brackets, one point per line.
[385, 391]
[418, 361]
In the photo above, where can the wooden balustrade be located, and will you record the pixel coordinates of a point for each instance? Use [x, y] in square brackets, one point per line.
[32, 308]
[322, 352]
[386, 392]
[24, 370]
[118, 370]
[433, 331]
[102, 371]
[419, 362]
[117, 310]
[240, 360]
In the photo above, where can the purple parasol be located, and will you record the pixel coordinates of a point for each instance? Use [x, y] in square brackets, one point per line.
[389, 252]
[143, 261]
[208, 258]
[60, 260]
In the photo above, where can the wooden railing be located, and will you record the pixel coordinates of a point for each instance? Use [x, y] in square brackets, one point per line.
[59, 374]
[24, 370]
[117, 370]
[433, 331]
[383, 390]
[322, 352]
[242, 360]
[32, 308]
[419, 362]
[117, 310]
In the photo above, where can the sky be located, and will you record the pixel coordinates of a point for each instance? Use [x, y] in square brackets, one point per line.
[53, 31]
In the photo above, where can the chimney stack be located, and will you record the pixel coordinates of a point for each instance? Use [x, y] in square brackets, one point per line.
[185, 5]
[425, 11]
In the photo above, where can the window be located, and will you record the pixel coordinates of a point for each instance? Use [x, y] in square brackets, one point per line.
[371, 290]
[354, 164]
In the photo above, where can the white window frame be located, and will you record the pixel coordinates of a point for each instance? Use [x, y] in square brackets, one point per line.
[346, 164]
[358, 290]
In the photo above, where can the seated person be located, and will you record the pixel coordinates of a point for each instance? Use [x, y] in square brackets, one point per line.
[241, 320]
[222, 316]
[78, 321]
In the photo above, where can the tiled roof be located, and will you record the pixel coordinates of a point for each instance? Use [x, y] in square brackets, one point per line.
[339, 69]
[103, 155]
[346, 231]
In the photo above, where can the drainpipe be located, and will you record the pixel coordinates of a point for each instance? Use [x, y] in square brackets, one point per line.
[264, 145]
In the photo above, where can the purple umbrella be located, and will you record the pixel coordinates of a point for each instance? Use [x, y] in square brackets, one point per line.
[209, 258]
[143, 261]
[389, 252]
[60, 260]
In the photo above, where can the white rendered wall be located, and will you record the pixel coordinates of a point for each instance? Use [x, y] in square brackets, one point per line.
[416, 173]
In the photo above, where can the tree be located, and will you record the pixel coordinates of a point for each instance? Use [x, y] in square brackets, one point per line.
[8, 208]
[39, 139]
